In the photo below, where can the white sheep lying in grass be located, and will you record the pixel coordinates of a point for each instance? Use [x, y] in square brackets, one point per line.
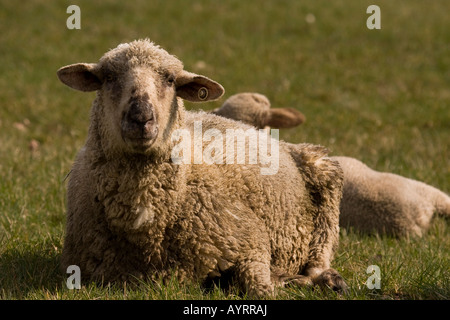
[133, 212]
[387, 203]
[372, 201]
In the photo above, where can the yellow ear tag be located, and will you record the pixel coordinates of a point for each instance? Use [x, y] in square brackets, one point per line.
[203, 93]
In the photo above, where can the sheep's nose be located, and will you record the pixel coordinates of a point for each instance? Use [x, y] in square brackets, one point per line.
[140, 113]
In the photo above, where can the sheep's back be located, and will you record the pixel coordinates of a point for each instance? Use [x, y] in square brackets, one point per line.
[280, 200]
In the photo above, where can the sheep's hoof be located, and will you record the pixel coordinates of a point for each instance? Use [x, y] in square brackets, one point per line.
[330, 278]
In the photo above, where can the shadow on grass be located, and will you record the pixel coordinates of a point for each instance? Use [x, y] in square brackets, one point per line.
[27, 271]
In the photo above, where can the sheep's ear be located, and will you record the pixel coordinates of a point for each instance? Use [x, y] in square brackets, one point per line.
[284, 118]
[195, 88]
[80, 76]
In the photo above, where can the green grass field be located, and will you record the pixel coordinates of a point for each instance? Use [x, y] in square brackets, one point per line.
[382, 96]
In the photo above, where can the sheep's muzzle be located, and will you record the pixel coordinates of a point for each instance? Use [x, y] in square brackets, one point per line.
[139, 126]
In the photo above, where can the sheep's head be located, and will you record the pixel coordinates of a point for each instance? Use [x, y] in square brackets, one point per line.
[138, 84]
[254, 109]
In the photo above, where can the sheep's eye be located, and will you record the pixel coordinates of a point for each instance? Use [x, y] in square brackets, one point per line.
[170, 79]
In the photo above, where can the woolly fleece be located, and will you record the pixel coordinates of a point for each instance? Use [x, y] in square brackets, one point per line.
[132, 212]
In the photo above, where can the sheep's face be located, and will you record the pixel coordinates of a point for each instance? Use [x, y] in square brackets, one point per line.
[138, 89]
[137, 104]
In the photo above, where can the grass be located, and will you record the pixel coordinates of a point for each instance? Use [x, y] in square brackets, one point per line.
[381, 96]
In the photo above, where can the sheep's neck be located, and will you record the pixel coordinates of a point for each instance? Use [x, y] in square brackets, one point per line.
[140, 194]
[141, 199]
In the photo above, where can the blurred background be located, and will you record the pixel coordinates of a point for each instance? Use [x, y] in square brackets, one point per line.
[381, 96]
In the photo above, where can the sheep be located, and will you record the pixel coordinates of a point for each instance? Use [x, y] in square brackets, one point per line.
[372, 201]
[387, 203]
[254, 109]
[135, 212]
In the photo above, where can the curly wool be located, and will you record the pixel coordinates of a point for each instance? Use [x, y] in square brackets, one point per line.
[387, 203]
[140, 215]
